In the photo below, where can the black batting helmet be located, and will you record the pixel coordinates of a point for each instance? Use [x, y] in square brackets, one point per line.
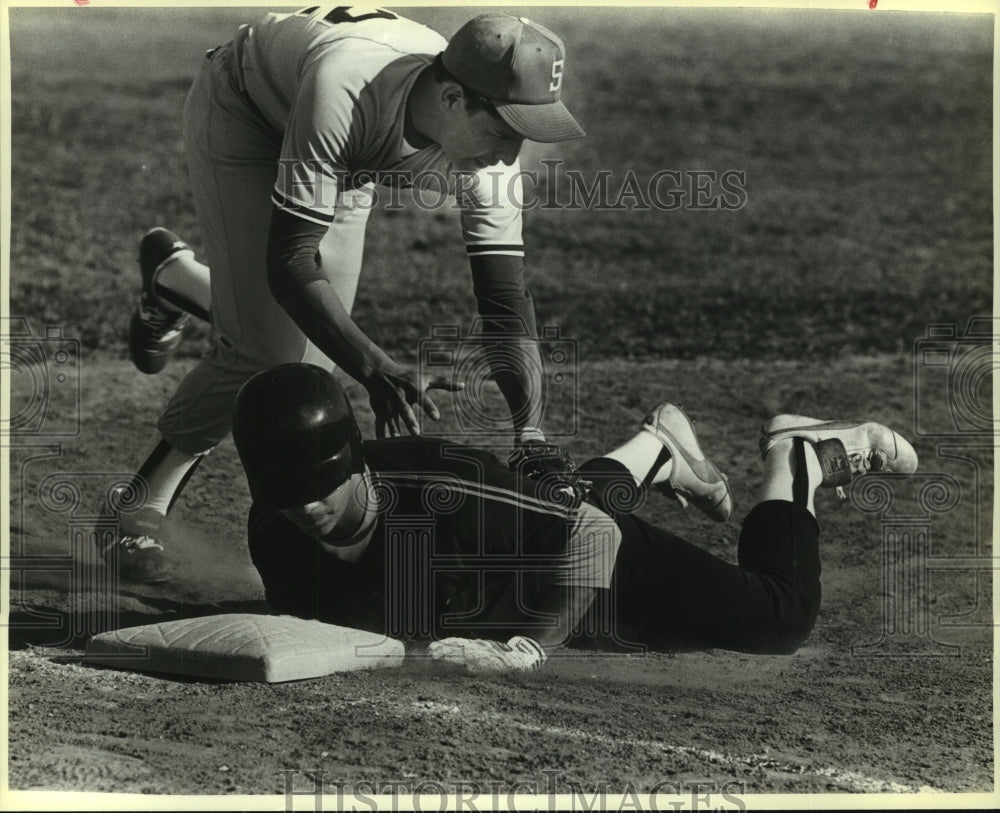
[296, 435]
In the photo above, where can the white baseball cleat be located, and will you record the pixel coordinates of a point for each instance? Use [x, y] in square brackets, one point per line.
[693, 477]
[845, 449]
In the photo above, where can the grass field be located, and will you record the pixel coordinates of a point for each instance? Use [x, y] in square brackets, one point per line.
[866, 141]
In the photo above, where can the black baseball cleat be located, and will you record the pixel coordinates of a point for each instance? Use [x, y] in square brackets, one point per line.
[155, 331]
[139, 559]
[136, 556]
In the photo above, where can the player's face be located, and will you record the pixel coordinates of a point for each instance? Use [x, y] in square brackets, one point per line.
[478, 139]
[319, 518]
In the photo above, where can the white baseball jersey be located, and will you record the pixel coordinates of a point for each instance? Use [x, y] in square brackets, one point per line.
[334, 83]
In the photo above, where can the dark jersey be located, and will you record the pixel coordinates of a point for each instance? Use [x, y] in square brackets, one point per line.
[460, 543]
[456, 526]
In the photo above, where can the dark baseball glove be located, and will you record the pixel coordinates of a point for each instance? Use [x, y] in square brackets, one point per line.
[552, 469]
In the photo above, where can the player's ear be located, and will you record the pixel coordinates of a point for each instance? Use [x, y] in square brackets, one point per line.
[452, 97]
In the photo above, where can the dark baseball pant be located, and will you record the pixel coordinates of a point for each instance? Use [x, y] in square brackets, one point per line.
[668, 593]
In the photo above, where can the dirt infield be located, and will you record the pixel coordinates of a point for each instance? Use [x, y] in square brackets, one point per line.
[835, 717]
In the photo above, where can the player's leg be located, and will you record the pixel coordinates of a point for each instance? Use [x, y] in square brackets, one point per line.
[667, 591]
[232, 158]
[674, 593]
[255, 331]
[176, 285]
[202, 403]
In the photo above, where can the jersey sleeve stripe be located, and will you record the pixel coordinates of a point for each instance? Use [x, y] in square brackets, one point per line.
[283, 203]
[481, 490]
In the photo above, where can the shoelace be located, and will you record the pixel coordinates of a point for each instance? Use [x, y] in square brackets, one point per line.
[160, 318]
[867, 460]
[131, 544]
[862, 463]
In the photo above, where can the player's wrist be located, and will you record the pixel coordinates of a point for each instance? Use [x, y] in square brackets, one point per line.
[380, 365]
[528, 433]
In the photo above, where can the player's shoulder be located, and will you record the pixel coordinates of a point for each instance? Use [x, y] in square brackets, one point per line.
[356, 29]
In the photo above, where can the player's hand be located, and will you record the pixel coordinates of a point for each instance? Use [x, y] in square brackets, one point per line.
[394, 391]
[479, 656]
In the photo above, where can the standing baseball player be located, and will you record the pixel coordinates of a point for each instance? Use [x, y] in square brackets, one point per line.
[287, 129]
[423, 537]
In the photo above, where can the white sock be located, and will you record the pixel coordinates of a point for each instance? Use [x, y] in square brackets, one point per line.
[164, 471]
[184, 284]
[779, 473]
[639, 455]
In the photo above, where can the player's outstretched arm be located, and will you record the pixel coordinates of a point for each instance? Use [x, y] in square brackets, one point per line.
[563, 596]
[299, 286]
[526, 651]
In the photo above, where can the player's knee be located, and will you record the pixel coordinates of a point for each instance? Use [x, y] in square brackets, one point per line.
[792, 628]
